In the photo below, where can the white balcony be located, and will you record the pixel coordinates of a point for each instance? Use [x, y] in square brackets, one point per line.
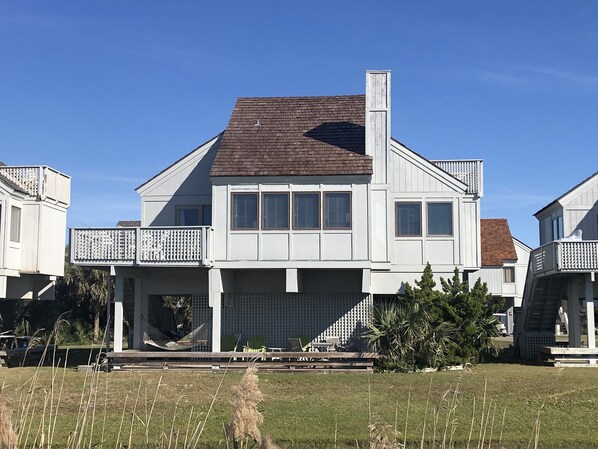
[469, 172]
[40, 181]
[565, 257]
[154, 246]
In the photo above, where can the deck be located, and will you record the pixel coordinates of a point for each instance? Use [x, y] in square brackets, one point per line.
[173, 246]
[565, 257]
[568, 357]
[264, 361]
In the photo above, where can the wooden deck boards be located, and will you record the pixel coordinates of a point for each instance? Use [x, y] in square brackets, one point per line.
[264, 361]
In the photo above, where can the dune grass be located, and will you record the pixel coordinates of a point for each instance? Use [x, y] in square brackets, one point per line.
[506, 403]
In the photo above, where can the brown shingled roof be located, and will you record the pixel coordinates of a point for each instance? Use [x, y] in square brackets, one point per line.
[497, 243]
[128, 224]
[302, 136]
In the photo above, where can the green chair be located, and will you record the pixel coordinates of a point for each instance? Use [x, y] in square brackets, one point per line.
[256, 343]
[228, 343]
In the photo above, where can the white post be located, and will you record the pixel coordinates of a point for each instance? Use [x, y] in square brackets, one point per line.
[589, 295]
[292, 280]
[119, 293]
[574, 330]
[137, 314]
[3, 282]
[215, 301]
[366, 281]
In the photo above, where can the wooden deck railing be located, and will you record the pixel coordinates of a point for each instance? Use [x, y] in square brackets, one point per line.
[565, 256]
[153, 246]
[40, 181]
[467, 171]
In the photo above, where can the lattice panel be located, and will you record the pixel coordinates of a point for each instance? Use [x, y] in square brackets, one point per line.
[579, 256]
[170, 245]
[202, 313]
[104, 245]
[531, 343]
[278, 316]
[465, 171]
[27, 178]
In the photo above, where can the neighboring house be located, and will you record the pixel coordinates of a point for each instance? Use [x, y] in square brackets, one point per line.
[33, 204]
[562, 271]
[291, 222]
[504, 267]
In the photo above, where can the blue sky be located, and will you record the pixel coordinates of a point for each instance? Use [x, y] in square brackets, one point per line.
[111, 92]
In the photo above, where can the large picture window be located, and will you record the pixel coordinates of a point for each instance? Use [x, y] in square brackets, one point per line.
[337, 210]
[408, 219]
[275, 211]
[244, 210]
[440, 218]
[306, 211]
[15, 224]
[200, 215]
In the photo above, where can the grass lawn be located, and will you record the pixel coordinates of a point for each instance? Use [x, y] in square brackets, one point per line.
[308, 410]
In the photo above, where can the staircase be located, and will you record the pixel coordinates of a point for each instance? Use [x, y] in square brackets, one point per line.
[539, 311]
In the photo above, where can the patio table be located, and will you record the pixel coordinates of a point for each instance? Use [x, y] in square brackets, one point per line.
[322, 346]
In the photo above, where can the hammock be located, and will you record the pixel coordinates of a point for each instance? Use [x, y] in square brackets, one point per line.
[159, 340]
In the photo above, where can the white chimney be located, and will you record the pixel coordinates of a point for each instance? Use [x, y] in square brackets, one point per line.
[377, 122]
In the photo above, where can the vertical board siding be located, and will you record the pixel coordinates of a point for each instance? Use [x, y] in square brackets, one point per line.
[278, 316]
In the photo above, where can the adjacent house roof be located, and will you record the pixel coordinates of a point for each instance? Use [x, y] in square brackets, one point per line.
[128, 224]
[496, 241]
[567, 193]
[297, 136]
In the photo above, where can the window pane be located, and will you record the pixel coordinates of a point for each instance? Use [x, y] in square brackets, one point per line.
[408, 219]
[276, 211]
[15, 224]
[188, 216]
[244, 210]
[338, 210]
[306, 210]
[509, 274]
[206, 215]
[440, 219]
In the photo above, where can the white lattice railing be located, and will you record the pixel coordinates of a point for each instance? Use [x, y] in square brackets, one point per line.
[467, 171]
[573, 256]
[40, 181]
[158, 246]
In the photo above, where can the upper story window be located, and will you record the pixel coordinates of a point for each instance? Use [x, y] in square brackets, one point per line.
[275, 211]
[508, 275]
[557, 228]
[440, 218]
[408, 219]
[244, 211]
[337, 210]
[200, 215]
[306, 210]
[15, 224]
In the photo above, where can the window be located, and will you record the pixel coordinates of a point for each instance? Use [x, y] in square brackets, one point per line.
[187, 216]
[244, 211]
[557, 228]
[194, 215]
[275, 211]
[440, 218]
[508, 275]
[15, 224]
[306, 211]
[337, 210]
[408, 219]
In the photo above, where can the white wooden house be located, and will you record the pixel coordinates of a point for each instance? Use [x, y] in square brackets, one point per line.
[291, 222]
[33, 204]
[562, 273]
[504, 266]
